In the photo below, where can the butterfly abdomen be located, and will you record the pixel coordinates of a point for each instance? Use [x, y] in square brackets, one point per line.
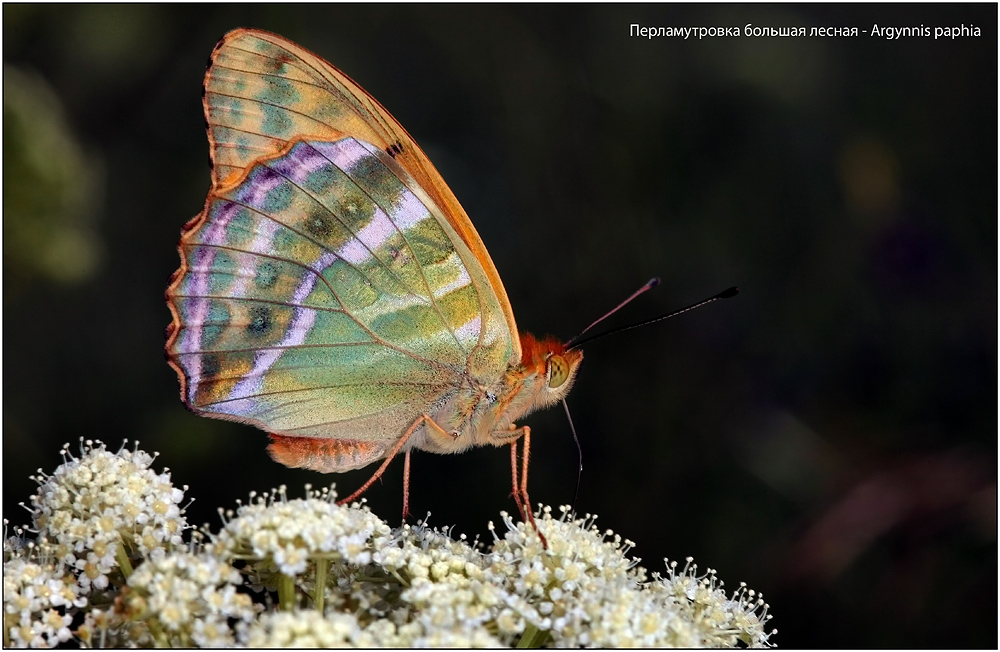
[324, 455]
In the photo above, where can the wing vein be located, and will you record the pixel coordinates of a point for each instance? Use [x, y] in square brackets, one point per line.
[277, 106]
[319, 72]
[326, 282]
[254, 349]
[420, 269]
[314, 388]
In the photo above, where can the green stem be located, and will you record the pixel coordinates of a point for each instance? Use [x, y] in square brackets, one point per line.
[400, 578]
[319, 592]
[533, 637]
[123, 561]
[286, 592]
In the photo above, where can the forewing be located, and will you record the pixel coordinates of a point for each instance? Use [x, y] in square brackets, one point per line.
[263, 91]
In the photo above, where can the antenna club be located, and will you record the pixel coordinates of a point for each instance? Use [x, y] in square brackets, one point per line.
[731, 292]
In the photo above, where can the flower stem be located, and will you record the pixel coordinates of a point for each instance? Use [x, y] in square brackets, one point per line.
[123, 561]
[286, 592]
[533, 637]
[319, 592]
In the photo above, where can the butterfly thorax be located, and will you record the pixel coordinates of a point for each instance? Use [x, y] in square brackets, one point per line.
[542, 378]
[480, 414]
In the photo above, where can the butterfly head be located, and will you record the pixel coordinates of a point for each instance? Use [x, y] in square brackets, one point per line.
[552, 365]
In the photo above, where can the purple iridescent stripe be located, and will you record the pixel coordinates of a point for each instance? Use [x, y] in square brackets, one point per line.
[302, 161]
[240, 400]
[405, 211]
[203, 258]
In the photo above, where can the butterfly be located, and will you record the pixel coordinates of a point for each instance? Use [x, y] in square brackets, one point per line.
[333, 292]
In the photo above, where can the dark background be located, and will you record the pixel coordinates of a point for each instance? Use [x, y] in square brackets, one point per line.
[829, 436]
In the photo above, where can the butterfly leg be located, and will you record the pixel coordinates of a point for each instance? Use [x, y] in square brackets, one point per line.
[513, 479]
[406, 465]
[524, 486]
[406, 486]
[521, 492]
[500, 438]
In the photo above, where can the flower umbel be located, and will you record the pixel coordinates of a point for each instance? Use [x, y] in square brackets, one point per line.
[109, 557]
[37, 592]
[291, 532]
[190, 597]
[585, 591]
[93, 505]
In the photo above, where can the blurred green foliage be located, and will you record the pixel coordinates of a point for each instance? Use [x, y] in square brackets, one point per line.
[829, 436]
[51, 188]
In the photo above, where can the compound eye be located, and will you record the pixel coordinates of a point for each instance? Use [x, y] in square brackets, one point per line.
[558, 371]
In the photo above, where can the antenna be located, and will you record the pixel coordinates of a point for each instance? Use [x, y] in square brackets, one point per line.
[650, 284]
[725, 294]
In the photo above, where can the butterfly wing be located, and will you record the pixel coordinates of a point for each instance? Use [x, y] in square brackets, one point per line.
[324, 291]
[261, 90]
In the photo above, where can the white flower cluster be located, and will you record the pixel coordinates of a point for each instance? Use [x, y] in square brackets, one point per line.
[710, 617]
[36, 594]
[304, 629]
[402, 576]
[335, 576]
[292, 532]
[94, 503]
[446, 600]
[180, 599]
[584, 591]
[308, 628]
